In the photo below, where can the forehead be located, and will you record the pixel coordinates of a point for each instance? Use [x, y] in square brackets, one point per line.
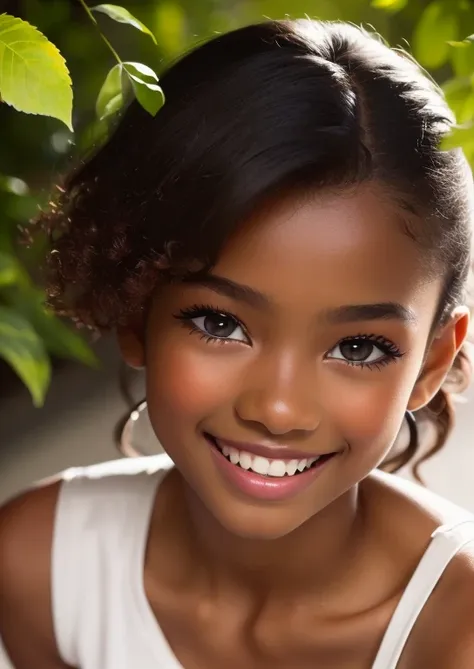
[330, 249]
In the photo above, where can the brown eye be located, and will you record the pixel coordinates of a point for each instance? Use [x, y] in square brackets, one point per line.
[213, 325]
[359, 351]
[218, 325]
[356, 351]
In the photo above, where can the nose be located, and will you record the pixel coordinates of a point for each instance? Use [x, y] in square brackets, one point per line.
[280, 396]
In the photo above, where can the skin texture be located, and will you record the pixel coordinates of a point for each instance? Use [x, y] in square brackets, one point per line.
[311, 581]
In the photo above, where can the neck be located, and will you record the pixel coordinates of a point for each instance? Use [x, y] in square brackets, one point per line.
[309, 559]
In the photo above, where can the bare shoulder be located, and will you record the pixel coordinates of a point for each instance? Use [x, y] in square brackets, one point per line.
[418, 502]
[26, 533]
[444, 635]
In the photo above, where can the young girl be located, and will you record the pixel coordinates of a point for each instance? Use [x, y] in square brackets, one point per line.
[284, 249]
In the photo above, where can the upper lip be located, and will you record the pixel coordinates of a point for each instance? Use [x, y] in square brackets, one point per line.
[271, 452]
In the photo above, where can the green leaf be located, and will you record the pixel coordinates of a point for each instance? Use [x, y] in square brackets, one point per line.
[110, 98]
[462, 58]
[142, 71]
[148, 93]
[459, 95]
[390, 5]
[459, 137]
[58, 338]
[467, 42]
[21, 347]
[8, 270]
[438, 25]
[33, 75]
[122, 15]
[460, 45]
[112, 107]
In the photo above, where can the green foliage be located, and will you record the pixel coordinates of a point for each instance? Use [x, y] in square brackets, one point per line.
[143, 80]
[140, 78]
[440, 46]
[459, 93]
[28, 331]
[123, 16]
[21, 346]
[110, 98]
[170, 23]
[438, 25]
[463, 136]
[34, 79]
[389, 5]
[33, 74]
[57, 338]
[145, 86]
[8, 270]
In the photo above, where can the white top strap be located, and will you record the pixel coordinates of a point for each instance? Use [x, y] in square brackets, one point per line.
[446, 542]
[98, 508]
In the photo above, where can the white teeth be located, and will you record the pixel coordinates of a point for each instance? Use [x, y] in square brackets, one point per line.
[245, 460]
[260, 465]
[234, 456]
[264, 466]
[277, 468]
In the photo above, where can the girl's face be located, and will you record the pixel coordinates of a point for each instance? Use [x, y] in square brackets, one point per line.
[307, 339]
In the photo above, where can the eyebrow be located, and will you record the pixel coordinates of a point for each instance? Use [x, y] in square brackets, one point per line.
[228, 288]
[351, 313]
[369, 312]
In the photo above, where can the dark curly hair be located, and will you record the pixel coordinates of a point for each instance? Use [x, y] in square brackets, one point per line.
[277, 105]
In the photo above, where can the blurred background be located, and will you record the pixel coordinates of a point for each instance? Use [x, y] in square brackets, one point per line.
[84, 402]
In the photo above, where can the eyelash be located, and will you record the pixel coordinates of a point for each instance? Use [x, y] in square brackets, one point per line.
[392, 353]
[187, 315]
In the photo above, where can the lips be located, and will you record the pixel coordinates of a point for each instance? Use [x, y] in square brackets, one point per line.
[262, 477]
[271, 452]
[266, 466]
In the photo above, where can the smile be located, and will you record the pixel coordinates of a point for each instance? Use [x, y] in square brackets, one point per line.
[268, 466]
[265, 477]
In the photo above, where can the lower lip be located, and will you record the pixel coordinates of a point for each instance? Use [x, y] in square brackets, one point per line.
[269, 488]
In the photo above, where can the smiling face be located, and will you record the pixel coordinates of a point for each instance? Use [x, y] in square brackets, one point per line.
[307, 338]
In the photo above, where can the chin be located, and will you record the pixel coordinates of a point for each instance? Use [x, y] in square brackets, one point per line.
[257, 521]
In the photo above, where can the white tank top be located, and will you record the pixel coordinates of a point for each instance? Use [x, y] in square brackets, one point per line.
[101, 615]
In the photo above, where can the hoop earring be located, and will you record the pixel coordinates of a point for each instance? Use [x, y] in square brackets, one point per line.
[414, 437]
[124, 431]
[400, 459]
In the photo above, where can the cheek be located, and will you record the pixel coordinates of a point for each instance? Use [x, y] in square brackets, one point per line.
[368, 414]
[189, 381]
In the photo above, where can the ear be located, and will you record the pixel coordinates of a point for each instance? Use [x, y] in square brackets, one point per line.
[440, 357]
[131, 341]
